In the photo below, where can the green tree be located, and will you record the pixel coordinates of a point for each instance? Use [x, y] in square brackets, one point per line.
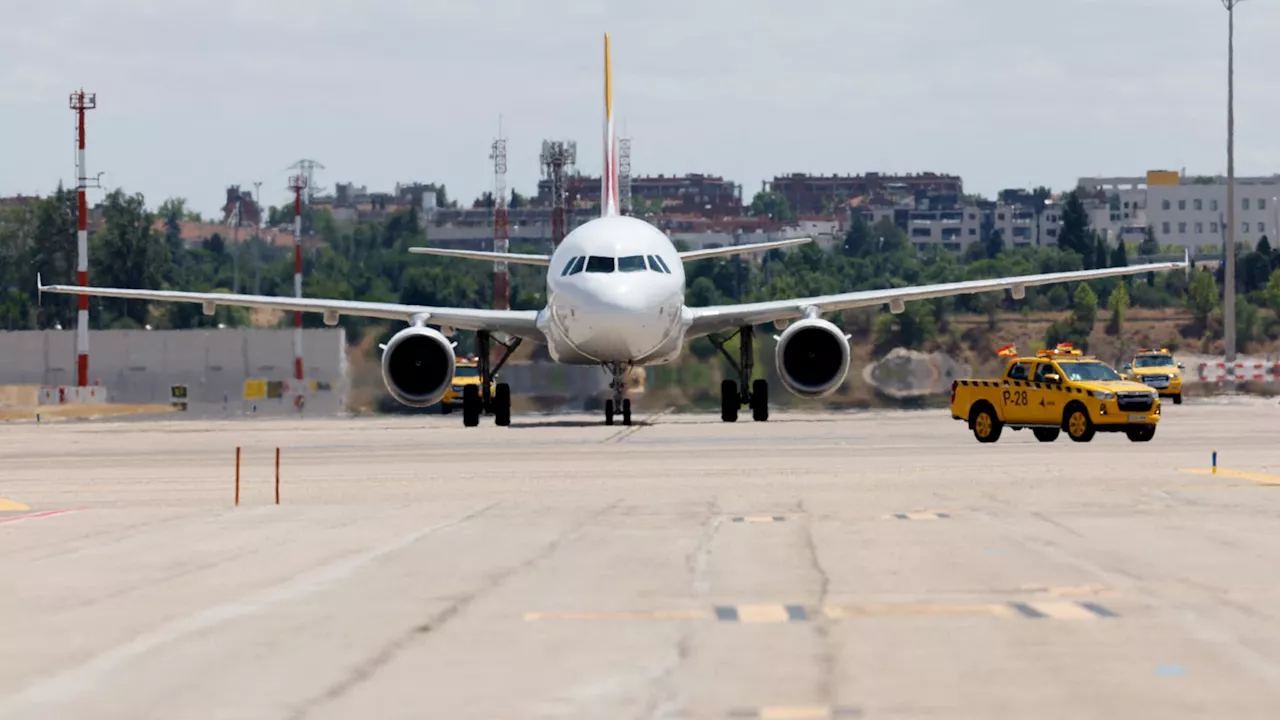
[772, 205]
[1075, 234]
[1120, 256]
[1084, 308]
[1099, 252]
[994, 243]
[1118, 304]
[1272, 292]
[128, 253]
[857, 242]
[1202, 297]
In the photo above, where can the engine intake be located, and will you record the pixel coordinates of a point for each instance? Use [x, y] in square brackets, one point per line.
[417, 366]
[812, 358]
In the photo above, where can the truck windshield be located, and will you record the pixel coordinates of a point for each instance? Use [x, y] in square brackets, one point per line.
[466, 372]
[1089, 371]
[1153, 361]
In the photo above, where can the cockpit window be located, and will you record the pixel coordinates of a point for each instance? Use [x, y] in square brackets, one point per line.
[653, 264]
[578, 262]
[663, 263]
[631, 263]
[569, 266]
[597, 264]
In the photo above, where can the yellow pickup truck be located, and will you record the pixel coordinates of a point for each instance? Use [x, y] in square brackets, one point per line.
[1157, 369]
[466, 372]
[1056, 390]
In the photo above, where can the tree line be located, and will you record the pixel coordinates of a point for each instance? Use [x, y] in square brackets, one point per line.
[139, 248]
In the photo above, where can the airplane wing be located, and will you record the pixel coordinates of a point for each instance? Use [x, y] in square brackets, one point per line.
[517, 258]
[718, 318]
[739, 249]
[520, 323]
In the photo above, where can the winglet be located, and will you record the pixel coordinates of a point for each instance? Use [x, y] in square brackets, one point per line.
[609, 178]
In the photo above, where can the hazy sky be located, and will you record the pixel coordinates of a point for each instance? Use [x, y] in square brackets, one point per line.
[195, 95]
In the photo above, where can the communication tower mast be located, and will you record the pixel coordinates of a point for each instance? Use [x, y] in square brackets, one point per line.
[307, 171]
[624, 176]
[80, 103]
[297, 183]
[557, 159]
[501, 242]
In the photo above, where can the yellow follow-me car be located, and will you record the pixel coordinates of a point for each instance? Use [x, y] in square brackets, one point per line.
[466, 372]
[1157, 369]
[1057, 390]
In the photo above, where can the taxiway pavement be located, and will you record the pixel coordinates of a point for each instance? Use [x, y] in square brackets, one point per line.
[874, 565]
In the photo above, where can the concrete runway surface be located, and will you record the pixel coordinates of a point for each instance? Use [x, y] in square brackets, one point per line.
[872, 565]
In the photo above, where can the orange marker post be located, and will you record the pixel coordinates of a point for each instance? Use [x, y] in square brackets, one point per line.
[237, 475]
[277, 476]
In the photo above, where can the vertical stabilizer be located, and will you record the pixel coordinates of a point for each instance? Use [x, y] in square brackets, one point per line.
[609, 178]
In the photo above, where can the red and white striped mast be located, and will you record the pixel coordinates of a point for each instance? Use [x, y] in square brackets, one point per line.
[297, 184]
[80, 102]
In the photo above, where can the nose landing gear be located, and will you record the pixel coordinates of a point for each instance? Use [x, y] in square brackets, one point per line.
[618, 404]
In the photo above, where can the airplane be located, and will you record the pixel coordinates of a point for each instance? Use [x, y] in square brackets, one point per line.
[615, 298]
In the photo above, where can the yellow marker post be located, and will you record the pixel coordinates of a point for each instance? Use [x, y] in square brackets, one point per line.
[1215, 463]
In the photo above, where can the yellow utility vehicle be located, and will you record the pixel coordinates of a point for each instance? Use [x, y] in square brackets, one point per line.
[466, 372]
[1157, 369]
[1056, 390]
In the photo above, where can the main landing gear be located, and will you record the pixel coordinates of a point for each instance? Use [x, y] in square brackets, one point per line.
[476, 398]
[757, 398]
[618, 404]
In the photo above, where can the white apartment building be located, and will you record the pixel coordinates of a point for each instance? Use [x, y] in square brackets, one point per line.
[1191, 211]
[953, 229]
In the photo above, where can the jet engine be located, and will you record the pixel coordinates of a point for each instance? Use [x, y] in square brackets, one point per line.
[417, 366]
[812, 357]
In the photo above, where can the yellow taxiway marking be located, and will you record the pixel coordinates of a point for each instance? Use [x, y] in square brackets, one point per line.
[7, 505]
[762, 614]
[917, 609]
[1260, 478]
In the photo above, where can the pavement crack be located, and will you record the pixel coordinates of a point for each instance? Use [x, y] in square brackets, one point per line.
[821, 624]
[664, 701]
[489, 583]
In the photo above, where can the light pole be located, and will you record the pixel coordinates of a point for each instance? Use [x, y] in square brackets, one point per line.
[1229, 277]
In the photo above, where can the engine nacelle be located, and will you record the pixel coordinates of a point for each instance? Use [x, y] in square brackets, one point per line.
[812, 357]
[417, 366]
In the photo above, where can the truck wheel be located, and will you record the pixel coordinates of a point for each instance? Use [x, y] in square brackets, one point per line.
[1046, 434]
[986, 426]
[1079, 426]
[1141, 434]
[1177, 399]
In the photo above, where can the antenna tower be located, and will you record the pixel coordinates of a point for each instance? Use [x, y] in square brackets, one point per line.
[80, 103]
[624, 176]
[501, 242]
[557, 158]
[307, 170]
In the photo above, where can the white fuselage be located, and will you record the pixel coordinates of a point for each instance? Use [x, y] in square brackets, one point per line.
[615, 303]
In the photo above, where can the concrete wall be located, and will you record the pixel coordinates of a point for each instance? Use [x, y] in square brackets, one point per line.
[138, 366]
